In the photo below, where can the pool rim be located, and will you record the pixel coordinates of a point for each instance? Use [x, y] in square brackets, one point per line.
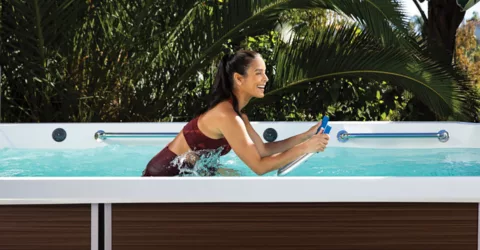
[89, 190]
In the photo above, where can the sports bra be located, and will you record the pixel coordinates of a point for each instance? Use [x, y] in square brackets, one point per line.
[196, 140]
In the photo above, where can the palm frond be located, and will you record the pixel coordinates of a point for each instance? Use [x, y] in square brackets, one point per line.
[33, 32]
[385, 19]
[350, 52]
[215, 23]
[32, 27]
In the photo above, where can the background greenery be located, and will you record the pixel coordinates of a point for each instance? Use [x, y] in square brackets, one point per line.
[154, 60]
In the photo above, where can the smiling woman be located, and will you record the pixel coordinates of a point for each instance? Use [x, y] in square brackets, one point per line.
[221, 127]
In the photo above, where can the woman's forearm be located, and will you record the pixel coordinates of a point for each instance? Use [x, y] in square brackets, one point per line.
[272, 148]
[276, 161]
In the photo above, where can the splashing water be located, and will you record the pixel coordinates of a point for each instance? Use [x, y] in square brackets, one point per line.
[200, 163]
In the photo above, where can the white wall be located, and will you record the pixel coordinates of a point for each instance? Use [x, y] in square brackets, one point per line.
[81, 135]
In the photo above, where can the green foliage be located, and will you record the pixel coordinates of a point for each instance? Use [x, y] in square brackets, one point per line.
[153, 60]
[356, 100]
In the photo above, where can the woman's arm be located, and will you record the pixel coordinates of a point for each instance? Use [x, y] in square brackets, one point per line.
[234, 129]
[271, 148]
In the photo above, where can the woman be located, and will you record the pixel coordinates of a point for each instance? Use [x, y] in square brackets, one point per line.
[239, 78]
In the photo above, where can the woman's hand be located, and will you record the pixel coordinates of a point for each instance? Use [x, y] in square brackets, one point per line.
[313, 130]
[317, 143]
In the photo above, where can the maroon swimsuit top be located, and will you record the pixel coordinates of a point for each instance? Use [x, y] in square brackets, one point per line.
[196, 140]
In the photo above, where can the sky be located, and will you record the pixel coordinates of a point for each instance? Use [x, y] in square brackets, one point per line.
[412, 10]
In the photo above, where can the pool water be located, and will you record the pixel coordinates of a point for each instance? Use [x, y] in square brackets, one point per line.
[129, 161]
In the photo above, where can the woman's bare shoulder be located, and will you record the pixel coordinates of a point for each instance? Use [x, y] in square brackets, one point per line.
[214, 119]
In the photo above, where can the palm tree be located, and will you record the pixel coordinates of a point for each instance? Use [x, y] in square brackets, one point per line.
[130, 60]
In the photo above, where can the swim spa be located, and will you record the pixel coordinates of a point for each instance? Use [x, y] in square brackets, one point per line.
[394, 199]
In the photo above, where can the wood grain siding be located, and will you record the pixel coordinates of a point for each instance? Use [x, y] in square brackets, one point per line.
[41, 227]
[280, 226]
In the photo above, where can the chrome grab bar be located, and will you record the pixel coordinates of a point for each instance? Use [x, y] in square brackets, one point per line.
[101, 135]
[290, 166]
[344, 136]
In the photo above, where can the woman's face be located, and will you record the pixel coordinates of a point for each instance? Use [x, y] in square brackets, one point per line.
[255, 80]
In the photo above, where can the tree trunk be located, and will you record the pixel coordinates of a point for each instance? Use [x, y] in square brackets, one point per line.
[444, 17]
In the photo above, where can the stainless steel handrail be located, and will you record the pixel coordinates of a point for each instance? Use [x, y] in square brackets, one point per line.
[344, 136]
[290, 166]
[101, 135]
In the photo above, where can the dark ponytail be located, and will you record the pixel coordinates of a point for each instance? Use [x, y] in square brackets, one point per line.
[222, 88]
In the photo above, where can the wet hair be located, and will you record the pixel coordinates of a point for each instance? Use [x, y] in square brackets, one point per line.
[222, 88]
